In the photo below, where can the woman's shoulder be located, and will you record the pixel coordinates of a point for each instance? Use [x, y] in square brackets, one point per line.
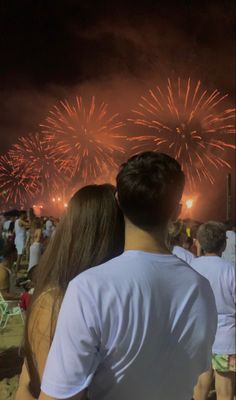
[46, 299]
[42, 311]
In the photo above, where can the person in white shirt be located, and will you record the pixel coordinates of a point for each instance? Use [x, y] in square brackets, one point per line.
[49, 227]
[229, 254]
[221, 275]
[21, 225]
[177, 236]
[140, 326]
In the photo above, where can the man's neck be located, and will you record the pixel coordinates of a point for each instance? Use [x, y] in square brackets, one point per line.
[151, 242]
[212, 254]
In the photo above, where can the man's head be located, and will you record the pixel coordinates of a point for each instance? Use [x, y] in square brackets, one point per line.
[23, 215]
[212, 237]
[150, 186]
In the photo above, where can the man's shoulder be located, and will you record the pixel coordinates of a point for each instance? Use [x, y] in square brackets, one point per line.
[102, 271]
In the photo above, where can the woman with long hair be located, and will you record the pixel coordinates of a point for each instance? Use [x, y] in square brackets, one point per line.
[90, 233]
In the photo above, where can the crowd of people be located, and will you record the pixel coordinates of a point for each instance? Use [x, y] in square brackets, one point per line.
[126, 300]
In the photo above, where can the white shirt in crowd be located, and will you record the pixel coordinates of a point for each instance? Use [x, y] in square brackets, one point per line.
[6, 225]
[140, 326]
[184, 254]
[230, 252]
[20, 237]
[221, 275]
[49, 228]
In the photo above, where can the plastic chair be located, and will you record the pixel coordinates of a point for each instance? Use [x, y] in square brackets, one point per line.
[8, 309]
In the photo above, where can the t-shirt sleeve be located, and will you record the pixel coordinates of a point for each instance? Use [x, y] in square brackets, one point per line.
[74, 355]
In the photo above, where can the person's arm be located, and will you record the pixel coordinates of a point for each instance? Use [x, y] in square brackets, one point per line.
[24, 223]
[74, 355]
[5, 286]
[9, 296]
[79, 396]
[39, 336]
[22, 391]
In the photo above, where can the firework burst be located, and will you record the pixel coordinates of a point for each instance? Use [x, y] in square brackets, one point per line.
[85, 138]
[35, 153]
[18, 185]
[188, 126]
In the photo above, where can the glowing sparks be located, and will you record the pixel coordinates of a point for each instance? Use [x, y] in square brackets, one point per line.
[188, 126]
[85, 138]
[18, 183]
[32, 151]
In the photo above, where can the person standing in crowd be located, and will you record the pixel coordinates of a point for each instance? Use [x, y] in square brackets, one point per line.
[129, 329]
[35, 244]
[49, 227]
[90, 232]
[221, 275]
[229, 254]
[177, 237]
[9, 256]
[21, 225]
[6, 225]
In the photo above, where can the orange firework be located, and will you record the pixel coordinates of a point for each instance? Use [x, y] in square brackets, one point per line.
[85, 138]
[34, 152]
[188, 126]
[18, 185]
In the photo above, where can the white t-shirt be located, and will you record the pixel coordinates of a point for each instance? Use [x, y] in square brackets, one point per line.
[140, 326]
[230, 252]
[184, 254]
[221, 275]
[6, 225]
[20, 232]
[49, 228]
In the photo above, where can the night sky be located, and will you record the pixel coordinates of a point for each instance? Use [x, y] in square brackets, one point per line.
[52, 50]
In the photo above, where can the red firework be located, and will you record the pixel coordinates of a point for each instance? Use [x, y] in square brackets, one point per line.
[34, 152]
[85, 138]
[18, 185]
[188, 126]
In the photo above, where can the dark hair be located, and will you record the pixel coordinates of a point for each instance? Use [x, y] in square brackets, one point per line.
[90, 233]
[149, 186]
[22, 213]
[229, 225]
[36, 223]
[8, 250]
[212, 237]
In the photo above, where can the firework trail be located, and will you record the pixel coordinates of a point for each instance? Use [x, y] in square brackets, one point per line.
[18, 185]
[188, 126]
[85, 138]
[34, 152]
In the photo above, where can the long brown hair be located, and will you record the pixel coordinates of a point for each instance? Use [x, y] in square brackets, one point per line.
[90, 233]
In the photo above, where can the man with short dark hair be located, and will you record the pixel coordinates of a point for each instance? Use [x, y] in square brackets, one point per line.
[140, 326]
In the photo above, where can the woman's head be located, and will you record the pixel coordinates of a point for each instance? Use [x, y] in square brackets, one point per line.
[90, 233]
[36, 223]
